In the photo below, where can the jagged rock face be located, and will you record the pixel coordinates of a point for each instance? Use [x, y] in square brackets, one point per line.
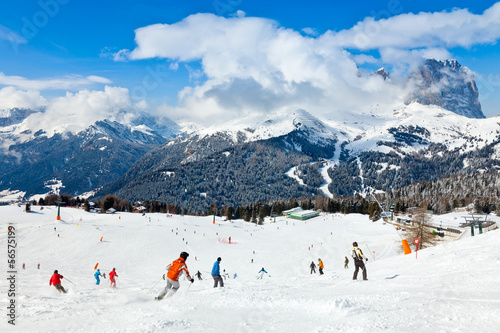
[446, 84]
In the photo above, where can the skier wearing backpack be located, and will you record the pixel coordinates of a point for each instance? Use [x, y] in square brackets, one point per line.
[358, 257]
[96, 275]
[175, 270]
[55, 280]
[112, 280]
[216, 273]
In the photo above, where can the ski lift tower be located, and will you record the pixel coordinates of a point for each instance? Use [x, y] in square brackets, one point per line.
[59, 202]
[473, 220]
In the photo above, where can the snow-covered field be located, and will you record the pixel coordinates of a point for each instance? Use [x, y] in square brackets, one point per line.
[453, 287]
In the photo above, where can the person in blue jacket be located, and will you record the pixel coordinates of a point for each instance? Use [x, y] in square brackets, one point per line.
[96, 275]
[216, 273]
[261, 272]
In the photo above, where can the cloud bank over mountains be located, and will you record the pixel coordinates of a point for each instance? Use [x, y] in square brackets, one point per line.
[254, 65]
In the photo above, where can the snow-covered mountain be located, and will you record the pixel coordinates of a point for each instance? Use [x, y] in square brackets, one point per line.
[361, 152]
[438, 131]
[31, 163]
[446, 84]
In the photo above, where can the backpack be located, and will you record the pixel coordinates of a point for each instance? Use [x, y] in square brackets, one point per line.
[357, 255]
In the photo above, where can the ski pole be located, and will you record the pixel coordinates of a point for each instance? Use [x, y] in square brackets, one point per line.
[71, 282]
[155, 285]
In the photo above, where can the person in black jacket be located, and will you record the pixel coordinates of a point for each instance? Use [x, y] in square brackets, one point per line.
[313, 267]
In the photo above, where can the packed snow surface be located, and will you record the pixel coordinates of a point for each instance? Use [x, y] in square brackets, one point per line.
[453, 287]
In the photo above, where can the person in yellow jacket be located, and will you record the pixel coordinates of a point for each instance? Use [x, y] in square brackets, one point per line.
[358, 257]
[321, 266]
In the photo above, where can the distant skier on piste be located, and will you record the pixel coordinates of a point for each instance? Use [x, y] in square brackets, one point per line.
[198, 275]
[346, 263]
[55, 280]
[112, 275]
[175, 270]
[321, 266]
[97, 275]
[358, 257]
[261, 273]
[216, 273]
[313, 267]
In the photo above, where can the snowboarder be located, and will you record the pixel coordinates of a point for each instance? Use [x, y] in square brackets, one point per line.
[346, 263]
[216, 273]
[198, 275]
[261, 272]
[313, 267]
[175, 270]
[321, 266]
[97, 275]
[358, 257]
[112, 275]
[55, 280]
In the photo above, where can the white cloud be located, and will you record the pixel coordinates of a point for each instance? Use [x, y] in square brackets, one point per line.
[458, 27]
[70, 82]
[251, 64]
[76, 111]
[310, 31]
[11, 97]
[11, 36]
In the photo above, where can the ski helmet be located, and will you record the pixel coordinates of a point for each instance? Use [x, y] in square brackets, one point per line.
[184, 255]
[55, 272]
[355, 244]
[219, 259]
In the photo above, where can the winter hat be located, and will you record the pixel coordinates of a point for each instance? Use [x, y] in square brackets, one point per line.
[184, 255]
[219, 259]
[55, 272]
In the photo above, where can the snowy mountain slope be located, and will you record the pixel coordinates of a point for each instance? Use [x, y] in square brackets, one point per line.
[83, 161]
[451, 287]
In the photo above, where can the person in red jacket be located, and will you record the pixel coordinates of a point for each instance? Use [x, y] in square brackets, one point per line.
[112, 275]
[175, 270]
[55, 281]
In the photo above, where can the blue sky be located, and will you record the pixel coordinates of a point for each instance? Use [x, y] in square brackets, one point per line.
[54, 47]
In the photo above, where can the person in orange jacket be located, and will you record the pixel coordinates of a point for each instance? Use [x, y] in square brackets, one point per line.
[175, 270]
[112, 280]
[55, 280]
[321, 266]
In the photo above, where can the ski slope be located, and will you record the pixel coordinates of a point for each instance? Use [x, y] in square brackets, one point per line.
[453, 287]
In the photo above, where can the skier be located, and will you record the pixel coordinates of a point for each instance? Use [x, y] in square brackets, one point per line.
[235, 276]
[313, 267]
[225, 275]
[346, 263]
[321, 266]
[358, 257]
[38, 266]
[55, 280]
[198, 275]
[175, 270]
[216, 273]
[261, 272]
[112, 275]
[96, 275]
[24, 266]
[229, 240]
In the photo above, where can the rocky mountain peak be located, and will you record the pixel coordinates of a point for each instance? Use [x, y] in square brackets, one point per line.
[447, 84]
